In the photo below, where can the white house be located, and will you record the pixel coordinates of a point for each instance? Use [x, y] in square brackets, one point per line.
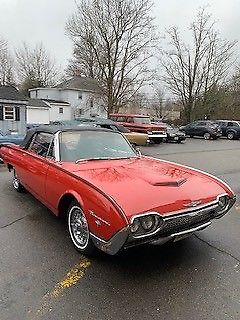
[43, 111]
[59, 110]
[82, 94]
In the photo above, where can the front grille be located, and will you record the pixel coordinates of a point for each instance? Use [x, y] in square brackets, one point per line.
[158, 132]
[184, 222]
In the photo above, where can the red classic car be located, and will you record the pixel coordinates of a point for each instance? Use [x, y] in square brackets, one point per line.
[113, 197]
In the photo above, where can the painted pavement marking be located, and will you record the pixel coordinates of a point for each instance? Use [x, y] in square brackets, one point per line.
[69, 280]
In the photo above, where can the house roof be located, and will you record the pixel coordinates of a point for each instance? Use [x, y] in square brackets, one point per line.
[80, 83]
[11, 93]
[56, 101]
[37, 103]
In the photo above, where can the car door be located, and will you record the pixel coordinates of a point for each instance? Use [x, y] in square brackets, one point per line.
[190, 129]
[37, 160]
[200, 128]
[223, 126]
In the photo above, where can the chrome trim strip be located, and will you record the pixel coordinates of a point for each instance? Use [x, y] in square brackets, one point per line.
[57, 146]
[145, 214]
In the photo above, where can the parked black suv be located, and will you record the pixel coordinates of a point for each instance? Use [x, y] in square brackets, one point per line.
[206, 129]
[230, 129]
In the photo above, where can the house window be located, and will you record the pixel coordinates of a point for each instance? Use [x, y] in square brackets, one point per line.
[61, 110]
[91, 103]
[9, 113]
[80, 95]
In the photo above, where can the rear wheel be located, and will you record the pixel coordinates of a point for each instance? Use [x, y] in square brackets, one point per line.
[79, 230]
[230, 135]
[207, 136]
[16, 183]
[157, 141]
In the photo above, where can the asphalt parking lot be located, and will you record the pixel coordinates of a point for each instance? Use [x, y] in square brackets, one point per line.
[43, 277]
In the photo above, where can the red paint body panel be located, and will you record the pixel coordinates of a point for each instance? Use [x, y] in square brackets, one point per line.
[133, 184]
[115, 190]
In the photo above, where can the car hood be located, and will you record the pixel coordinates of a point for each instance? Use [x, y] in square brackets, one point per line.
[145, 184]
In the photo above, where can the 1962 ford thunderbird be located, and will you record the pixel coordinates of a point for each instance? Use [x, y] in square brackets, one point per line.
[113, 197]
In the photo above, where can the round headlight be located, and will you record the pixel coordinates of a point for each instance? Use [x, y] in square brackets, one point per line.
[147, 222]
[135, 226]
[222, 202]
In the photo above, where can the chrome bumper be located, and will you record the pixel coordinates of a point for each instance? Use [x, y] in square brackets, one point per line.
[123, 239]
[157, 135]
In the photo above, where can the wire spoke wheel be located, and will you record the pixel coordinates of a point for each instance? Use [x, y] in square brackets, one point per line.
[16, 183]
[78, 227]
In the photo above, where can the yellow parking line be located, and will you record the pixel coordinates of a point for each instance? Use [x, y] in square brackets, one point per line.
[69, 280]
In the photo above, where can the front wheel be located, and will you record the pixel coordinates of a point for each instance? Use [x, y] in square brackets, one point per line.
[207, 136]
[79, 230]
[16, 183]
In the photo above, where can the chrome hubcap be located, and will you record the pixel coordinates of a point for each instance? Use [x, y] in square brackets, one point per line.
[78, 227]
[15, 181]
[207, 136]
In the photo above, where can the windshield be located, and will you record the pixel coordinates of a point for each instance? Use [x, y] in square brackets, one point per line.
[80, 145]
[142, 120]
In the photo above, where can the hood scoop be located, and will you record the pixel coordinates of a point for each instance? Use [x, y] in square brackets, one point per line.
[170, 183]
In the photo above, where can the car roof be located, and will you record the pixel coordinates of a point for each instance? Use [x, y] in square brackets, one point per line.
[56, 128]
[128, 115]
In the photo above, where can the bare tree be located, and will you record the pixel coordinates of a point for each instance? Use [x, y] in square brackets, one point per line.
[191, 71]
[6, 64]
[112, 43]
[35, 67]
[157, 101]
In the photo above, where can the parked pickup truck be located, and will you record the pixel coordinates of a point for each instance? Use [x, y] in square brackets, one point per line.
[141, 123]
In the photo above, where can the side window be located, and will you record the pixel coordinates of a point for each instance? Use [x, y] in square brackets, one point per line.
[105, 126]
[230, 124]
[121, 119]
[130, 120]
[114, 128]
[42, 144]
[201, 123]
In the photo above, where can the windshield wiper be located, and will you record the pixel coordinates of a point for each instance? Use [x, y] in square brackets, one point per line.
[107, 158]
[93, 159]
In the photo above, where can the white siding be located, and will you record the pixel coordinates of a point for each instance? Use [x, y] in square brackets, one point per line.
[38, 115]
[72, 96]
[55, 115]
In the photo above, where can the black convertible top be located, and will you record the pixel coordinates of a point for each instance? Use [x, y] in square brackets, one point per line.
[55, 128]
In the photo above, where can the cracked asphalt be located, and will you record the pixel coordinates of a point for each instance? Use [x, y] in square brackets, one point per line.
[43, 277]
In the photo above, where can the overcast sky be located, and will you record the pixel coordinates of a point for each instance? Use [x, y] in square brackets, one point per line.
[44, 20]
